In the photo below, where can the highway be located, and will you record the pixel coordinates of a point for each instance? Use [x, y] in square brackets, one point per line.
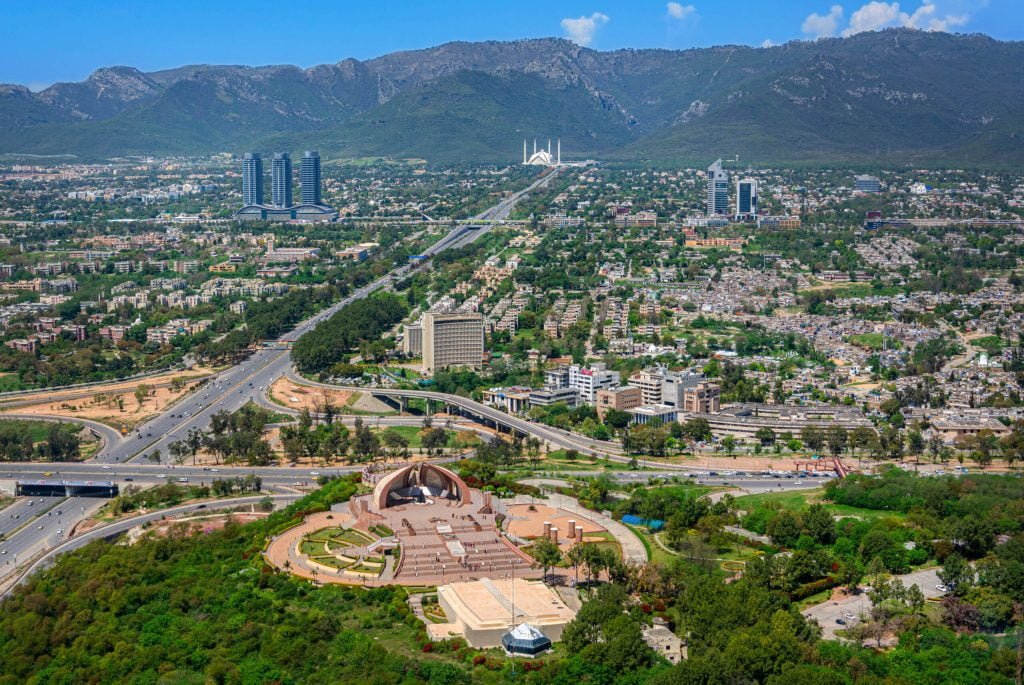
[234, 387]
[34, 524]
[111, 530]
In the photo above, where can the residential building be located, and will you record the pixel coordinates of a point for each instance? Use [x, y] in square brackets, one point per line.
[281, 180]
[452, 339]
[252, 179]
[309, 175]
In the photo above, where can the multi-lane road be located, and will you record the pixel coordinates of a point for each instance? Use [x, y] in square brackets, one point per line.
[236, 386]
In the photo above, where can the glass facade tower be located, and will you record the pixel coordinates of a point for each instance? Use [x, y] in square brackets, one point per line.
[309, 173]
[718, 189]
[252, 179]
[281, 180]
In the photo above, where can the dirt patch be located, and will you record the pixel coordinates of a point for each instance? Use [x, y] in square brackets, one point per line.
[299, 397]
[114, 405]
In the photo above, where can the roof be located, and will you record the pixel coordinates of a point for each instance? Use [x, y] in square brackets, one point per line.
[487, 604]
[525, 639]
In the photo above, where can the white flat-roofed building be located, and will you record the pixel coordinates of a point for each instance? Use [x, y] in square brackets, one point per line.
[482, 611]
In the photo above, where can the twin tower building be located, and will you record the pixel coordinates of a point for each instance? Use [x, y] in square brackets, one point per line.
[282, 206]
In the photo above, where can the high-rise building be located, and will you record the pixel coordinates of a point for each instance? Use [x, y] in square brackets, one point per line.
[452, 339]
[867, 184]
[718, 189]
[746, 197]
[252, 179]
[309, 174]
[281, 180]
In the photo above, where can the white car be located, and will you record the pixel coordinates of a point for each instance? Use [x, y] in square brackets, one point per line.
[941, 588]
[314, 473]
[106, 467]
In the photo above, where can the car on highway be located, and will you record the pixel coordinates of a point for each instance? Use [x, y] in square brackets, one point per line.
[314, 473]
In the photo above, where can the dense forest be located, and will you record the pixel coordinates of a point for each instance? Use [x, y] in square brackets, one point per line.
[331, 342]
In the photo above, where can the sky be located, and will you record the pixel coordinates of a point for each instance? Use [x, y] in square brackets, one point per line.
[65, 40]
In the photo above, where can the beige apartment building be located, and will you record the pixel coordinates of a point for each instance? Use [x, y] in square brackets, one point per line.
[452, 339]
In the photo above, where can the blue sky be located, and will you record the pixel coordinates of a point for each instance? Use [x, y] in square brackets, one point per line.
[64, 40]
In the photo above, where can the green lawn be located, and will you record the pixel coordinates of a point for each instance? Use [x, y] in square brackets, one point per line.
[412, 434]
[801, 499]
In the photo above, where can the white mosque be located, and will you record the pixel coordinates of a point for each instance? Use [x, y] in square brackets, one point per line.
[542, 157]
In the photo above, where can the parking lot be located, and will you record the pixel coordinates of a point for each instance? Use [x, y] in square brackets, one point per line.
[852, 607]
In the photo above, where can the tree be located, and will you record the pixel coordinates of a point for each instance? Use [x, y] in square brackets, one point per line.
[575, 558]
[546, 553]
[915, 598]
[698, 429]
[784, 529]
[813, 437]
[819, 524]
[860, 438]
[729, 444]
[837, 439]
[956, 574]
[141, 393]
[178, 451]
[766, 435]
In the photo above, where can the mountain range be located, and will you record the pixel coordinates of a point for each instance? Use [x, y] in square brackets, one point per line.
[889, 98]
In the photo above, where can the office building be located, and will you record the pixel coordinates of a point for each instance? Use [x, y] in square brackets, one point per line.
[718, 189]
[746, 197]
[452, 339]
[252, 179]
[281, 180]
[309, 174]
[587, 381]
[412, 343]
[621, 399]
[660, 386]
[702, 398]
[867, 184]
[649, 383]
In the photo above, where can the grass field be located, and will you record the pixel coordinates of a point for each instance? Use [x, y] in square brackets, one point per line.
[412, 434]
[800, 499]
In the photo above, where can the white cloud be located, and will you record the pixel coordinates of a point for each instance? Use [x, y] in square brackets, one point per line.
[877, 15]
[823, 25]
[767, 43]
[582, 29]
[678, 11]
